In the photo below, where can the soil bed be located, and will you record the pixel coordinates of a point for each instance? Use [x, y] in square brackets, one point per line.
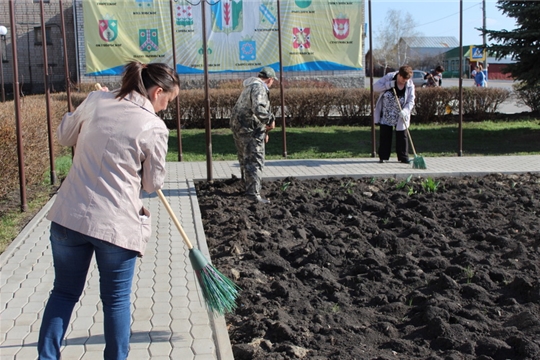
[444, 268]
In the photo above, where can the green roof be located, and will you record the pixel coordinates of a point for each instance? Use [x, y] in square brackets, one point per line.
[454, 53]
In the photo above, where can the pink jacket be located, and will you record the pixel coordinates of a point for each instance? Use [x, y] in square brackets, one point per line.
[120, 150]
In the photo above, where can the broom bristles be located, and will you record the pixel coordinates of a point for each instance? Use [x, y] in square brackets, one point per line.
[419, 163]
[219, 291]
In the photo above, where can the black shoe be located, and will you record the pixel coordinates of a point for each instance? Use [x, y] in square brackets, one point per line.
[381, 161]
[405, 161]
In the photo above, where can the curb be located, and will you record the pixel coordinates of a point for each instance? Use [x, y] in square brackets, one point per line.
[19, 240]
[221, 335]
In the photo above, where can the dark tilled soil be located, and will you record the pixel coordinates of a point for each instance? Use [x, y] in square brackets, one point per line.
[381, 268]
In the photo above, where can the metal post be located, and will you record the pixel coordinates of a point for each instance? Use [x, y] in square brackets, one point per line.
[66, 62]
[372, 100]
[3, 32]
[281, 88]
[484, 41]
[47, 92]
[460, 130]
[178, 119]
[16, 93]
[208, 126]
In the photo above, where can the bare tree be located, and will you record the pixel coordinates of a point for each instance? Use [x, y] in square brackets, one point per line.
[396, 25]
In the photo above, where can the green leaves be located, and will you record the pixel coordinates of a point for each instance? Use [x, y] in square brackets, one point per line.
[430, 185]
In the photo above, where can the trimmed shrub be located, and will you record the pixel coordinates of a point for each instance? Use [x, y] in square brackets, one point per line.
[34, 129]
[528, 96]
[307, 103]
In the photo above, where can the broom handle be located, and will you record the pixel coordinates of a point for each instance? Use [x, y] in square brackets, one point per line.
[174, 219]
[404, 123]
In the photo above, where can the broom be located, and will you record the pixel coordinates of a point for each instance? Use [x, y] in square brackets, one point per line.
[418, 162]
[219, 292]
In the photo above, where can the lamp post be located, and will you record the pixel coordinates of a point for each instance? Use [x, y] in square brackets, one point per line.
[3, 32]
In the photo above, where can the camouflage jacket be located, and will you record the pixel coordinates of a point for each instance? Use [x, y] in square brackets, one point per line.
[252, 109]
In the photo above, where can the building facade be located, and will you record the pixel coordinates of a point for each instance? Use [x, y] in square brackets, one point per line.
[28, 17]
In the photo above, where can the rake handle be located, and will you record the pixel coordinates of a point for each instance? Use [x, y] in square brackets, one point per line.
[404, 123]
[174, 219]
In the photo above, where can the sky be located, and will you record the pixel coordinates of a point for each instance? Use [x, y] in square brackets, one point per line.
[441, 18]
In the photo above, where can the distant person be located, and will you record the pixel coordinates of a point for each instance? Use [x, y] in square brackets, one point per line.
[480, 77]
[434, 78]
[251, 120]
[388, 114]
[120, 147]
[473, 74]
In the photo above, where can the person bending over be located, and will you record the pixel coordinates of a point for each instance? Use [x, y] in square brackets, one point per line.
[251, 120]
[120, 146]
[390, 115]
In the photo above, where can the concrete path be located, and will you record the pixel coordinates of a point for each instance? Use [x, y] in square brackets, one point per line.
[170, 320]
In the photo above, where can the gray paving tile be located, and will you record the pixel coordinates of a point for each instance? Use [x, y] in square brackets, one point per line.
[77, 337]
[139, 353]
[92, 352]
[159, 349]
[17, 332]
[73, 351]
[140, 326]
[26, 353]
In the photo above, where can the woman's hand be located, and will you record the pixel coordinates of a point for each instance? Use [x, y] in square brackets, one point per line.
[102, 88]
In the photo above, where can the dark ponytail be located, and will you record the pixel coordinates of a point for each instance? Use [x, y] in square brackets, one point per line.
[140, 77]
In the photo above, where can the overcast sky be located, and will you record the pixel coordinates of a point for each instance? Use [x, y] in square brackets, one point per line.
[441, 18]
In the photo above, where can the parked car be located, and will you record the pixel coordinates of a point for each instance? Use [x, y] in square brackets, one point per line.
[418, 78]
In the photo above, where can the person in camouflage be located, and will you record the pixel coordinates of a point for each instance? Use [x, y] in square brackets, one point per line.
[251, 120]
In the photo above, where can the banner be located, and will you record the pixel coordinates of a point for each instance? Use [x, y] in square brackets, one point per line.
[242, 35]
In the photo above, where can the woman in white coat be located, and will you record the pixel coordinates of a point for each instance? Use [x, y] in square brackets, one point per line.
[388, 114]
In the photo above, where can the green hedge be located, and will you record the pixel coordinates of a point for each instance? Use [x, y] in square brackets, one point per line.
[321, 106]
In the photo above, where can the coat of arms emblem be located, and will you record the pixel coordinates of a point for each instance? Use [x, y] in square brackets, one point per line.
[301, 38]
[148, 40]
[227, 16]
[108, 30]
[248, 50]
[340, 27]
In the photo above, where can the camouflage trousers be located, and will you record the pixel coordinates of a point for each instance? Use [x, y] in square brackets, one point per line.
[250, 147]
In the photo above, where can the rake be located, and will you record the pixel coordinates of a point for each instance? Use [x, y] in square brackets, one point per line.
[219, 292]
[418, 162]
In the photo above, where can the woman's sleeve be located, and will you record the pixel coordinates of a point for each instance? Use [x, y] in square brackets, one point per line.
[410, 101]
[70, 126]
[385, 83]
[153, 172]
[408, 107]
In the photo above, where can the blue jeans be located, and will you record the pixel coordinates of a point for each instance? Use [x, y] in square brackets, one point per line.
[72, 253]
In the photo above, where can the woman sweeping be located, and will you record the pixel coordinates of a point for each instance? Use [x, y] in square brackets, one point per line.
[388, 114]
[120, 147]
